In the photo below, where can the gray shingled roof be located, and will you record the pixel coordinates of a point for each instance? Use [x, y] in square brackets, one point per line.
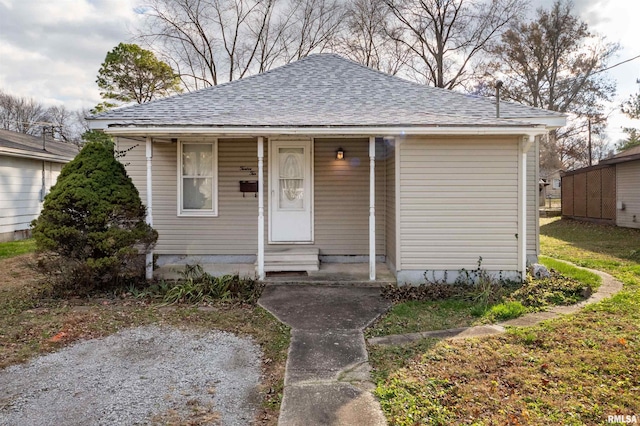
[31, 146]
[323, 90]
[631, 154]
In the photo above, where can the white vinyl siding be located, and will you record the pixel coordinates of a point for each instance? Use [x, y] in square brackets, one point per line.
[341, 202]
[390, 230]
[232, 232]
[21, 191]
[628, 192]
[459, 201]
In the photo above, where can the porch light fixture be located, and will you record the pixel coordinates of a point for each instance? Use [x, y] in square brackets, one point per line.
[340, 154]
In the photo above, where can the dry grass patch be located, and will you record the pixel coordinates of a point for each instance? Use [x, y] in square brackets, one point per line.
[566, 372]
[31, 323]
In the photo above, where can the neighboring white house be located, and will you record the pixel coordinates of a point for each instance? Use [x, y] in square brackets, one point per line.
[551, 186]
[29, 166]
[347, 164]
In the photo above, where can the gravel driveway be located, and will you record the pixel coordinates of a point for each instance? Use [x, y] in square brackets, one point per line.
[135, 377]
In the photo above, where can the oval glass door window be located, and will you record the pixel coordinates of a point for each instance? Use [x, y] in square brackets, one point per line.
[291, 172]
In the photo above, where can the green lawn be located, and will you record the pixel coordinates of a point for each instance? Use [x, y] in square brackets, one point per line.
[581, 275]
[15, 248]
[574, 370]
[606, 248]
[415, 316]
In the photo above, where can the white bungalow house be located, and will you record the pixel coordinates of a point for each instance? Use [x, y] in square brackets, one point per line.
[29, 166]
[324, 160]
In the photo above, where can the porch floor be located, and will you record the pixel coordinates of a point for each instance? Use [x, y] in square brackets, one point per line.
[356, 274]
[337, 274]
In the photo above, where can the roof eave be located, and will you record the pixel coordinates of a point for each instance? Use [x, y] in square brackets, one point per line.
[11, 152]
[551, 122]
[530, 130]
[623, 159]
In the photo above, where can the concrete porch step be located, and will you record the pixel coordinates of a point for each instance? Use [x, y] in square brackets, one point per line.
[290, 267]
[296, 259]
[286, 257]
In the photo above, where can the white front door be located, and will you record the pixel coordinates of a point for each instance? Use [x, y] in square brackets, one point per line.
[291, 191]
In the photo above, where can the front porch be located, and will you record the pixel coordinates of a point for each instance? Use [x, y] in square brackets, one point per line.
[304, 196]
[347, 274]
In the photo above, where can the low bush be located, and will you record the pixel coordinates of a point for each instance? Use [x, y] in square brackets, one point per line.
[475, 285]
[482, 297]
[506, 310]
[197, 286]
[555, 290]
[424, 292]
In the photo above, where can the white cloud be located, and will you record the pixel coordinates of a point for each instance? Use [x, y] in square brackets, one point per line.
[52, 50]
[617, 20]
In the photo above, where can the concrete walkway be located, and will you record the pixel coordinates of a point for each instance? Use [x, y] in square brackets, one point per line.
[327, 375]
[609, 287]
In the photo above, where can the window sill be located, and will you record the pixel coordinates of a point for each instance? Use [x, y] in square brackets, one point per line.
[198, 214]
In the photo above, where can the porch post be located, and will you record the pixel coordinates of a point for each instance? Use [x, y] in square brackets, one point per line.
[149, 257]
[261, 208]
[372, 208]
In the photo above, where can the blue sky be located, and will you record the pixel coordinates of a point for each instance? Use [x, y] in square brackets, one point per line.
[51, 50]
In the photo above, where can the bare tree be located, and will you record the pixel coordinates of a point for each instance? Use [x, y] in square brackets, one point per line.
[313, 27]
[207, 41]
[555, 62]
[21, 114]
[213, 41]
[446, 38]
[364, 38]
[272, 41]
[26, 115]
[67, 125]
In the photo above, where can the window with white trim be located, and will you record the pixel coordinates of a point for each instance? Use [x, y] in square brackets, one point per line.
[198, 178]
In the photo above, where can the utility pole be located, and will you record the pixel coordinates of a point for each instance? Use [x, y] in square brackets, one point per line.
[499, 84]
[590, 156]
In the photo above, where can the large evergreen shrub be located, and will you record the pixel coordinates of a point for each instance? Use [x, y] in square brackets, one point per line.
[92, 232]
